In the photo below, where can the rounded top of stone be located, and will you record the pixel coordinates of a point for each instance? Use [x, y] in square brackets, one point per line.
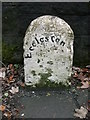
[49, 23]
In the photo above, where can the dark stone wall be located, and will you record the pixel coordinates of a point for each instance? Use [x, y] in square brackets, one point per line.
[16, 18]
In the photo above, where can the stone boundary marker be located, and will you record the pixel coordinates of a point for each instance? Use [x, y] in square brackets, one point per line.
[48, 51]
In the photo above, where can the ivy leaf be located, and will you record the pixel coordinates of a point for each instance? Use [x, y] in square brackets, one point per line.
[16, 66]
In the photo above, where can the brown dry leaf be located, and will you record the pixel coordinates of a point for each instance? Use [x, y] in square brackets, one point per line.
[10, 81]
[10, 66]
[81, 113]
[76, 69]
[22, 84]
[81, 76]
[12, 70]
[84, 70]
[11, 77]
[17, 111]
[84, 85]
[75, 75]
[8, 114]
[2, 107]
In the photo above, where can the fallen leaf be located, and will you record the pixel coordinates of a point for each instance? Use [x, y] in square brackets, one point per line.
[22, 84]
[48, 94]
[8, 114]
[86, 79]
[84, 70]
[2, 69]
[11, 77]
[10, 81]
[12, 70]
[16, 112]
[75, 75]
[76, 69]
[14, 90]
[10, 66]
[2, 72]
[6, 94]
[81, 76]
[81, 113]
[2, 107]
[88, 66]
[85, 84]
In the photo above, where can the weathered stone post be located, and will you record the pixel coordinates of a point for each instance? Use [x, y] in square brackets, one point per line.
[48, 51]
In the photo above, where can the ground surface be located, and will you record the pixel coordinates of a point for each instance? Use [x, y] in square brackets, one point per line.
[51, 104]
[20, 101]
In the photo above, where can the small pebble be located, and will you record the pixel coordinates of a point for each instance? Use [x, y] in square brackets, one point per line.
[33, 92]
[22, 114]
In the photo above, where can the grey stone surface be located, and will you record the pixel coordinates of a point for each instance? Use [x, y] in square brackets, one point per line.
[48, 50]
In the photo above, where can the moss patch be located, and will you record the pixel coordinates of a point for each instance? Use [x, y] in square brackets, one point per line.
[44, 82]
[44, 78]
[49, 85]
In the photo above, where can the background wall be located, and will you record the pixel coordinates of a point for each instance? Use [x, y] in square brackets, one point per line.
[16, 18]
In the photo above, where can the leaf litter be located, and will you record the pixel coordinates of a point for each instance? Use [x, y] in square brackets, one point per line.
[81, 80]
[12, 78]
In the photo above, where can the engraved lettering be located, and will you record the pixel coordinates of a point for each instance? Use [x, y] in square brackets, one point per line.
[52, 38]
[31, 48]
[28, 56]
[37, 40]
[62, 43]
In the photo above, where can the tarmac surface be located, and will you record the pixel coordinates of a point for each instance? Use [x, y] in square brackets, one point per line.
[51, 103]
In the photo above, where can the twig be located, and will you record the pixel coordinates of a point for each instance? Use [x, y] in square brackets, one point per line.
[3, 64]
